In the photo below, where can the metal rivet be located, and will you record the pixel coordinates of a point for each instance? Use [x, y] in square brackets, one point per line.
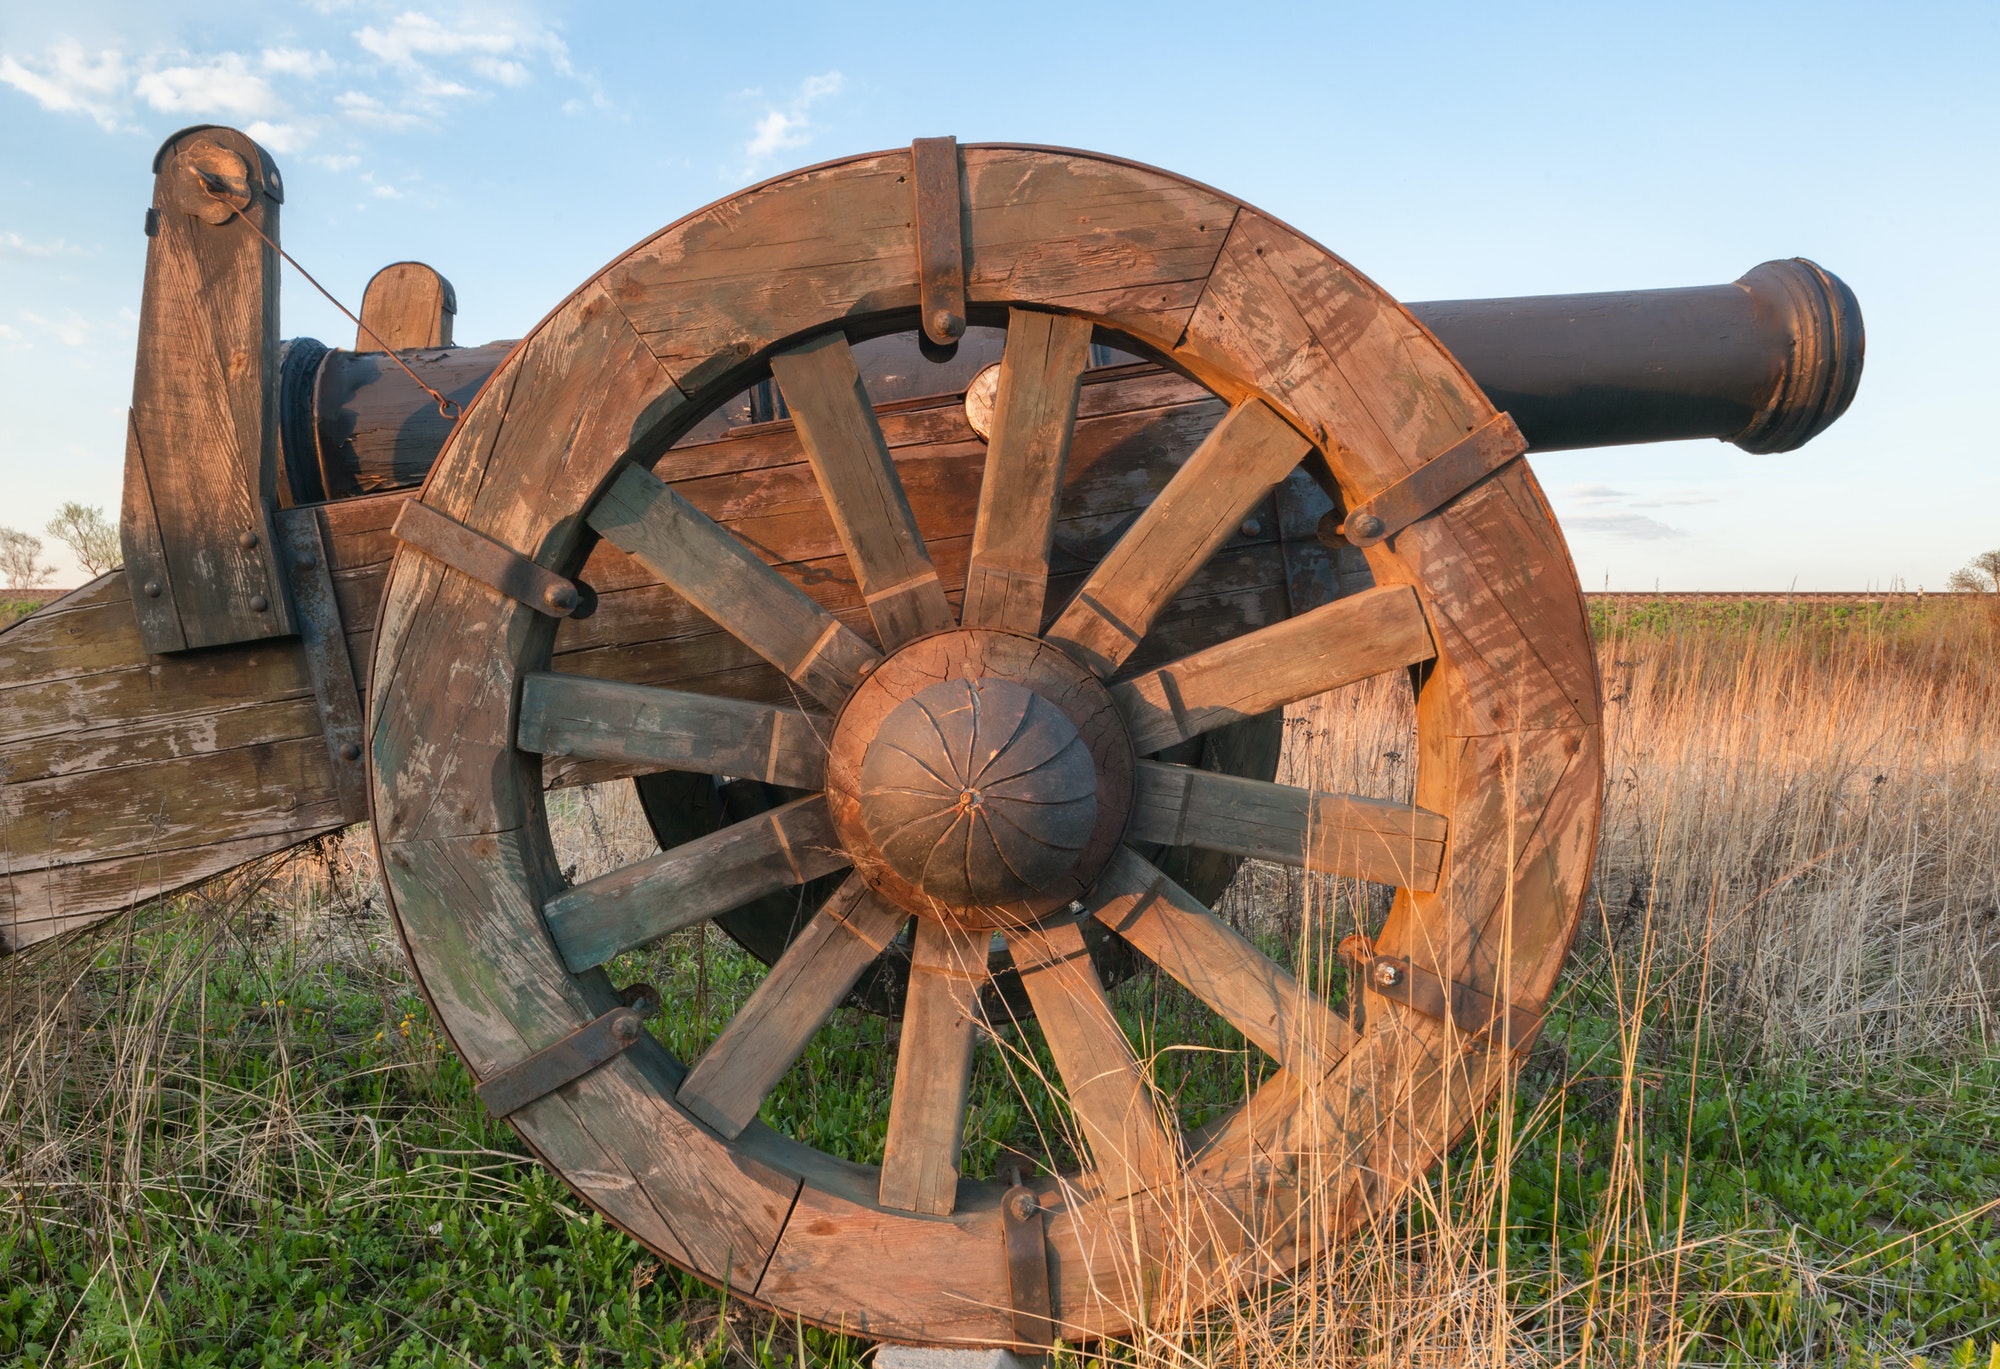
[1363, 525]
[305, 560]
[1387, 974]
[946, 324]
[258, 603]
[1251, 527]
[350, 751]
[1022, 1202]
[561, 598]
[625, 1026]
[151, 588]
[246, 539]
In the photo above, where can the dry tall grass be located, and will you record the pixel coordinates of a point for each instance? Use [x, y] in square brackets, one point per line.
[1800, 863]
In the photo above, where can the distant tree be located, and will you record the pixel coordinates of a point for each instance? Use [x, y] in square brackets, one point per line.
[1980, 575]
[91, 537]
[19, 554]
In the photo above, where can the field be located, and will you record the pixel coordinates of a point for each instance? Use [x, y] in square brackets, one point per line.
[1762, 1125]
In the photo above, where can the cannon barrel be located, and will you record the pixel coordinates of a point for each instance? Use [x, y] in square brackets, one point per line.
[1765, 362]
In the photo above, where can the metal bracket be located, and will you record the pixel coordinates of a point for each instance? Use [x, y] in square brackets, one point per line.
[1436, 483]
[1022, 1221]
[583, 1050]
[1472, 1011]
[491, 563]
[940, 239]
[316, 613]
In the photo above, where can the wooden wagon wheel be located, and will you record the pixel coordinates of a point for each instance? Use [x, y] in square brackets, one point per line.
[980, 770]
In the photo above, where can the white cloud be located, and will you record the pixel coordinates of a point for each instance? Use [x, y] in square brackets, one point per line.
[387, 192]
[68, 80]
[366, 109]
[281, 138]
[338, 161]
[1635, 527]
[223, 84]
[14, 246]
[789, 125]
[410, 36]
[295, 62]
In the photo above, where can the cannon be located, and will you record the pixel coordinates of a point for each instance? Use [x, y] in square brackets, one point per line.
[935, 536]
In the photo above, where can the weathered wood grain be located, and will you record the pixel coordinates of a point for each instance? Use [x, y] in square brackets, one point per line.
[1034, 414]
[771, 1030]
[670, 729]
[1212, 961]
[1228, 475]
[1108, 1091]
[1350, 639]
[863, 493]
[595, 920]
[1339, 834]
[725, 580]
[406, 304]
[201, 462]
[941, 1022]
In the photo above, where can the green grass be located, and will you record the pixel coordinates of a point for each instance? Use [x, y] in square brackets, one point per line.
[258, 1152]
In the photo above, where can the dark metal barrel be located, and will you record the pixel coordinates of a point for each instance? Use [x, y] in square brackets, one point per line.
[1765, 362]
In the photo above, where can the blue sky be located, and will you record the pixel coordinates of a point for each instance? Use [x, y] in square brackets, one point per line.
[1445, 150]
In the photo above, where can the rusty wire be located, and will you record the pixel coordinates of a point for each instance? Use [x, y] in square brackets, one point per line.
[212, 186]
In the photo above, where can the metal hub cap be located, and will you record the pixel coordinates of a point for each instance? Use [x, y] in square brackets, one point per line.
[979, 792]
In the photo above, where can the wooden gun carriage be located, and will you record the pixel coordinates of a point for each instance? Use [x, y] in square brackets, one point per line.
[937, 537]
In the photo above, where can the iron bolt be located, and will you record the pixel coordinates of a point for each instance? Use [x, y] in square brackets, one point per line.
[1251, 527]
[151, 588]
[1362, 525]
[1388, 974]
[946, 326]
[305, 560]
[625, 1026]
[258, 603]
[561, 598]
[1022, 1205]
[350, 751]
[246, 539]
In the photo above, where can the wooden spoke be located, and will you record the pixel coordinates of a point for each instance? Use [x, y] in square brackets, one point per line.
[933, 1070]
[1335, 644]
[599, 918]
[1171, 928]
[576, 715]
[1251, 450]
[770, 1031]
[863, 492]
[726, 580]
[1338, 834]
[1130, 1147]
[1041, 373]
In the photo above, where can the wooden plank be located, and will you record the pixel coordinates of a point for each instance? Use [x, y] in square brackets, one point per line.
[1112, 1099]
[595, 920]
[1337, 834]
[721, 577]
[730, 1081]
[1171, 928]
[201, 469]
[1033, 416]
[941, 1020]
[670, 729]
[324, 645]
[406, 304]
[858, 477]
[1228, 475]
[1347, 640]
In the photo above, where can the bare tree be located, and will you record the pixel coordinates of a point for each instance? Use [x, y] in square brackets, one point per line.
[91, 537]
[19, 554]
[1980, 575]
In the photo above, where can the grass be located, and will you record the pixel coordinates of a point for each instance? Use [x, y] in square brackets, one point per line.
[1762, 1125]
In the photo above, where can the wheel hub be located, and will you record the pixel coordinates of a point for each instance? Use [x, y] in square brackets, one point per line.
[980, 777]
